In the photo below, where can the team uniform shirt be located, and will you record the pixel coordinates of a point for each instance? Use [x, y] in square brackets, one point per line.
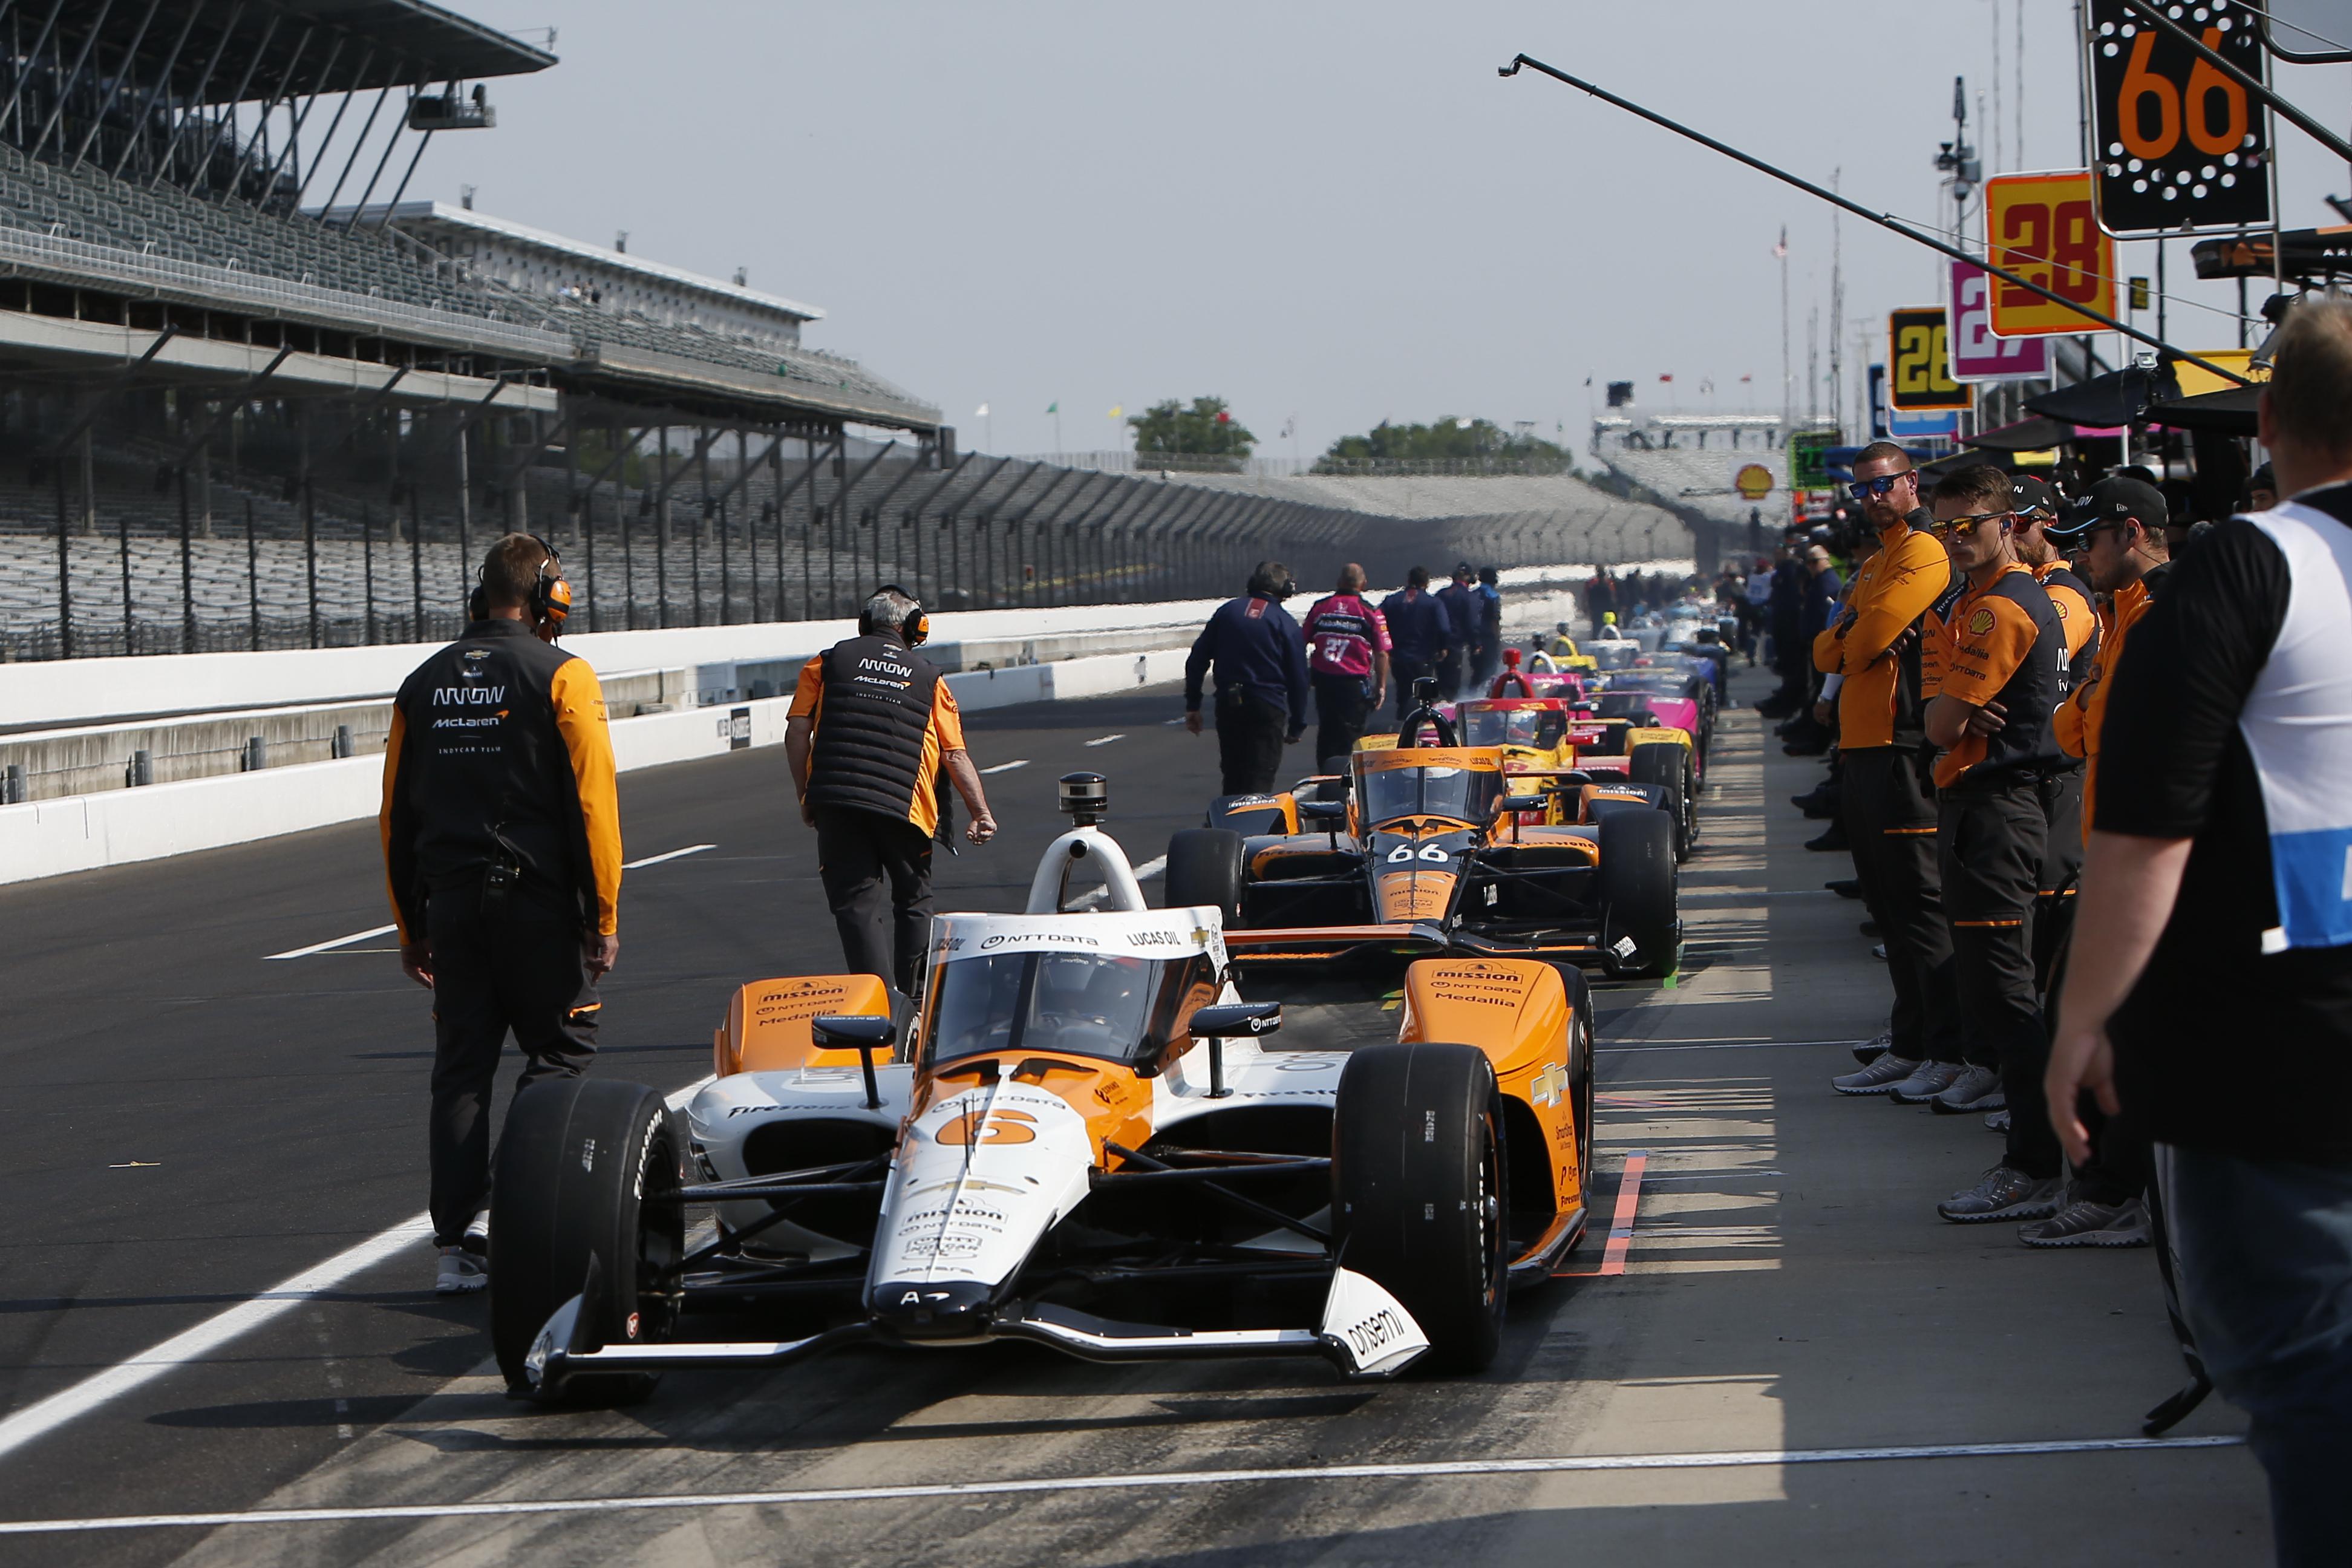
[2080, 718]
[1892, 592]
[1342, 634]
[2077, 617]
[920, 748]
[2000, 643]
[1462, 609]
[1257, 652]
[2230, 714]
[1418, 623]
[499, 754]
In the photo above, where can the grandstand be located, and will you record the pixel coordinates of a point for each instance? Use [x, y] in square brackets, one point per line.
[1686, 461]
[256, 397]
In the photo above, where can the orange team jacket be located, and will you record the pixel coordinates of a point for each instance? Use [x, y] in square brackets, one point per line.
[2076, 613]
[1891, 591]
[2077, 720]
[1972, 652]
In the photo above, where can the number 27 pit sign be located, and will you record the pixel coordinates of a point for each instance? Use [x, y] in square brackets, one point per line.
[1976, 354]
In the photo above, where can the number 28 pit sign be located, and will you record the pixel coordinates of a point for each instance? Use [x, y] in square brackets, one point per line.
[2042, 227]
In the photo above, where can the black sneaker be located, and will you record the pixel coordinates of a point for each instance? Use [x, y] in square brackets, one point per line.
[2084, 1222]
[1818, 806]
[1807, 748]
[1831, 841]
[1848, 887]
[2002, 1194]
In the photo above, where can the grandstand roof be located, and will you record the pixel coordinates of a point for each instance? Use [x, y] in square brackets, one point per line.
[412, 214]
[383, 43]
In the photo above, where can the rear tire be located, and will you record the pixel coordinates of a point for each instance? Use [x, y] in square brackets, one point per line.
[1636, 890]
[1667, 766]
[1204, 867]
[576, 1164]
[1419, 1194]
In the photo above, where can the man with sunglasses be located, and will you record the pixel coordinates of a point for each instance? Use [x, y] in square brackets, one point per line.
[1887, 803]
[2000, 672]
[2120, 527]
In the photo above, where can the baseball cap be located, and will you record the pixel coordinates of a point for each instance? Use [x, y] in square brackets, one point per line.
[2028, 493]
[2114, 498]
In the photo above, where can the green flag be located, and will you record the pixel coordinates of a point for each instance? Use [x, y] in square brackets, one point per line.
[1054, 406]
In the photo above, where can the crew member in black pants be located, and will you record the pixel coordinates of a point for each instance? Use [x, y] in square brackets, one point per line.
[1348, 656]
[1260, 660]
[873, 739]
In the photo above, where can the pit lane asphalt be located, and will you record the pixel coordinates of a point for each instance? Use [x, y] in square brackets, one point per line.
[1789, 1287]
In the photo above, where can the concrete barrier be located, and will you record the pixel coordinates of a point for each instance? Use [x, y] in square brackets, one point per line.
[82, 833]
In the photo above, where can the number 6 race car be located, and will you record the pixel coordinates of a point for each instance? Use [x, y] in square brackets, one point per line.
[1081, 1137]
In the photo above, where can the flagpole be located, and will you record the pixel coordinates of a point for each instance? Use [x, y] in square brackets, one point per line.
[1787, 390]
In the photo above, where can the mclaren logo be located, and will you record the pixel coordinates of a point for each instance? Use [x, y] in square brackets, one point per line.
[1550, 1086]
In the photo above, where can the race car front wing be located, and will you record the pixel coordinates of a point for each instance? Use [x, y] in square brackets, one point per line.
[1365, 1333]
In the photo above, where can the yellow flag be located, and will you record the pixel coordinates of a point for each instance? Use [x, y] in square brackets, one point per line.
[1116, 409]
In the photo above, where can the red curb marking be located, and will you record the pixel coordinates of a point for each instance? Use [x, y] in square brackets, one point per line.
[1620, 1225]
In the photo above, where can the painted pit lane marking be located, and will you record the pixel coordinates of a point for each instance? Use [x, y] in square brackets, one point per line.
[318, 947]
[671, 855]
[1734, 1459]
[1620, 1225]
[1004, 767]
[46, 1416]
[1106, 740]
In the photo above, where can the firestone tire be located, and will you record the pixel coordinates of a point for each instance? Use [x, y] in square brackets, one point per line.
[570, 1215]
[1419, 1194]
[1636, 892]
[1204, 867]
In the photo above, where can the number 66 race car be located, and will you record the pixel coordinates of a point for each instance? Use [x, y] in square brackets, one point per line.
[1081, 1136]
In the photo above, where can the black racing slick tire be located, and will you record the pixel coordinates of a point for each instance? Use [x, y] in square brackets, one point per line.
[1667, 766]
[1639, 926]
[1204, 867]
[1419, 1194]
[575, 1211]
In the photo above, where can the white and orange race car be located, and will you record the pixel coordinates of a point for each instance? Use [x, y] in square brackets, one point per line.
[1081, 1135]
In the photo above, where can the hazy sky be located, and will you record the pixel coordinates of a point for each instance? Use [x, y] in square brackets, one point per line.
[1331, 210]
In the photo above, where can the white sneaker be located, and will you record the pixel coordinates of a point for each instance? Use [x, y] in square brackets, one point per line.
[463, 1270]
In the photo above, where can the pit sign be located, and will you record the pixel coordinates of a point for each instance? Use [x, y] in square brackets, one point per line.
[2181, 148]
[1918, 362]
[1976, 353]
[2046, 228]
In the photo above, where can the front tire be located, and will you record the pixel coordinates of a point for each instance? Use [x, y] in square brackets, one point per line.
[581, 1167]
[1204, 867]
[1636, 890]
[1419, 1192]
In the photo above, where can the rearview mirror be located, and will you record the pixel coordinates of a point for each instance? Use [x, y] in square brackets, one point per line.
[1225, 1020]
[1515, 803]
[863, 1033]
[1321, 810]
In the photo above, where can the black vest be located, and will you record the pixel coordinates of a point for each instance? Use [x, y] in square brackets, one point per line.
[867, 753]
[1910, 730]
[2078, 665]
[2027, 742]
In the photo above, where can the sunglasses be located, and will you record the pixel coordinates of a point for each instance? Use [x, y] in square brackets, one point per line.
[1864, 490]
[1966, 527]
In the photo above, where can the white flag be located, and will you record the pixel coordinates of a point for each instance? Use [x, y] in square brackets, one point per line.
[980, 412]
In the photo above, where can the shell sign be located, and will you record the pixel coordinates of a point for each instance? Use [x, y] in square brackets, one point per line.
[1753, 481]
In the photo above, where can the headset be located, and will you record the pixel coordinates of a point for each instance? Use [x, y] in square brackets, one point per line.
[549, 602]
[1272, 580]
[915, 627]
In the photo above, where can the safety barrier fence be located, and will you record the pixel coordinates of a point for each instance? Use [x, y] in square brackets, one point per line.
[130, 568]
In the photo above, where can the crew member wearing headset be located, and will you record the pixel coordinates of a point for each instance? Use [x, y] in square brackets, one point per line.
[1260, 658]
[873, 739]
[502, 851]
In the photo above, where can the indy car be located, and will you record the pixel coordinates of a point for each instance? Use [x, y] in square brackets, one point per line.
[1419, 849]
[1082, 1135]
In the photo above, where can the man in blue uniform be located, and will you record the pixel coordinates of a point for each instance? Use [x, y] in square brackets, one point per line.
[1421, 633]
[1260, 658]
[1461, 602]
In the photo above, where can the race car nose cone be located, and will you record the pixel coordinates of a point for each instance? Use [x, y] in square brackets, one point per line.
[930, 1309]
